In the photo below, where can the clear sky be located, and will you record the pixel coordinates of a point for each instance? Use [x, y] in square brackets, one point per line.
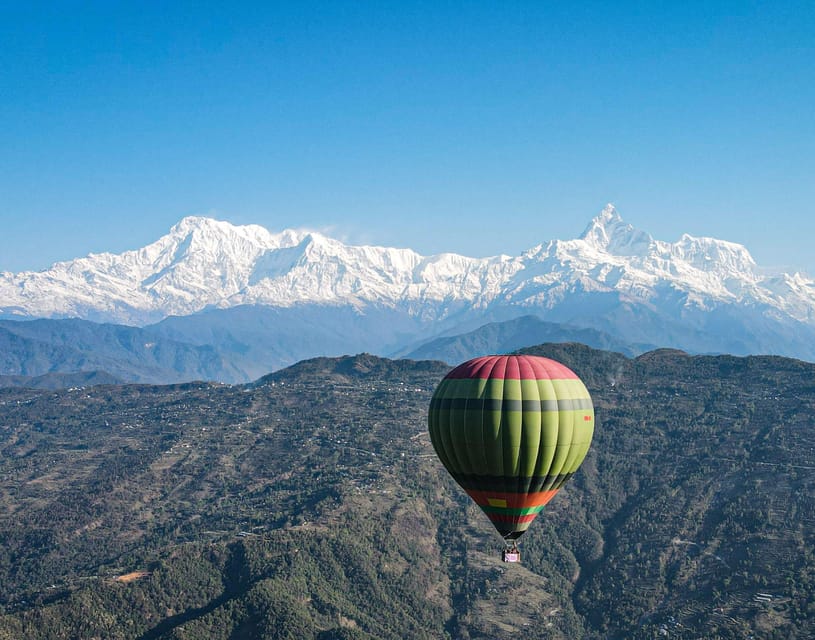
[474, 127]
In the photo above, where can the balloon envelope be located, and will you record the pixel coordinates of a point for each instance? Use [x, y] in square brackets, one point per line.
[511, 430]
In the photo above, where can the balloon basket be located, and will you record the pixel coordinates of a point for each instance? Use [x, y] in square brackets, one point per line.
[511, 554]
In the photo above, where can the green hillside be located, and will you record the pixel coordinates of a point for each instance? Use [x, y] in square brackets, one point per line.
[311, 505]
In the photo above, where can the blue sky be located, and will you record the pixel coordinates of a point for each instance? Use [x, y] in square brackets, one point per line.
[473, 127]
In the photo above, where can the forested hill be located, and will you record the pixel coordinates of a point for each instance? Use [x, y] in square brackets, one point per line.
[310, 505]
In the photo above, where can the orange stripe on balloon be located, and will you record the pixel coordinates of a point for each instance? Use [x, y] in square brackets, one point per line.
[513, 500]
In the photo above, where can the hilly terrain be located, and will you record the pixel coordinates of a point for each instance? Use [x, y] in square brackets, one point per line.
[309, 504]
[73, 347]
[511, 335]
[241, 344]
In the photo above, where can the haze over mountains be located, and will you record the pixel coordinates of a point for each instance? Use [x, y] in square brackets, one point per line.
[234, 302]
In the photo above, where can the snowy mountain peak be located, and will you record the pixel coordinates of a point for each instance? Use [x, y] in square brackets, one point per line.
[710, 254]
[209, 234]
[191, 224]
[609, 233]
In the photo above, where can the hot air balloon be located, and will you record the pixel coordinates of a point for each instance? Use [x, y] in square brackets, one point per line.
[511, 430]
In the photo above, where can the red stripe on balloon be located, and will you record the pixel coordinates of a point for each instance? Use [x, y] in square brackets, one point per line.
[500, 517]
[512, 368]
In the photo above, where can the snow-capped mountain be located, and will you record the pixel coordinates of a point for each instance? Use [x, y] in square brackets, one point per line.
[209, 281]
[204, 263]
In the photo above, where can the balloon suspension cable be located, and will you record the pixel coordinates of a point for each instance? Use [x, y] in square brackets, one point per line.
[510, 543]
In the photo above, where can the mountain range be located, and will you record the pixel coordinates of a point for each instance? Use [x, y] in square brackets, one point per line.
[232, 303]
